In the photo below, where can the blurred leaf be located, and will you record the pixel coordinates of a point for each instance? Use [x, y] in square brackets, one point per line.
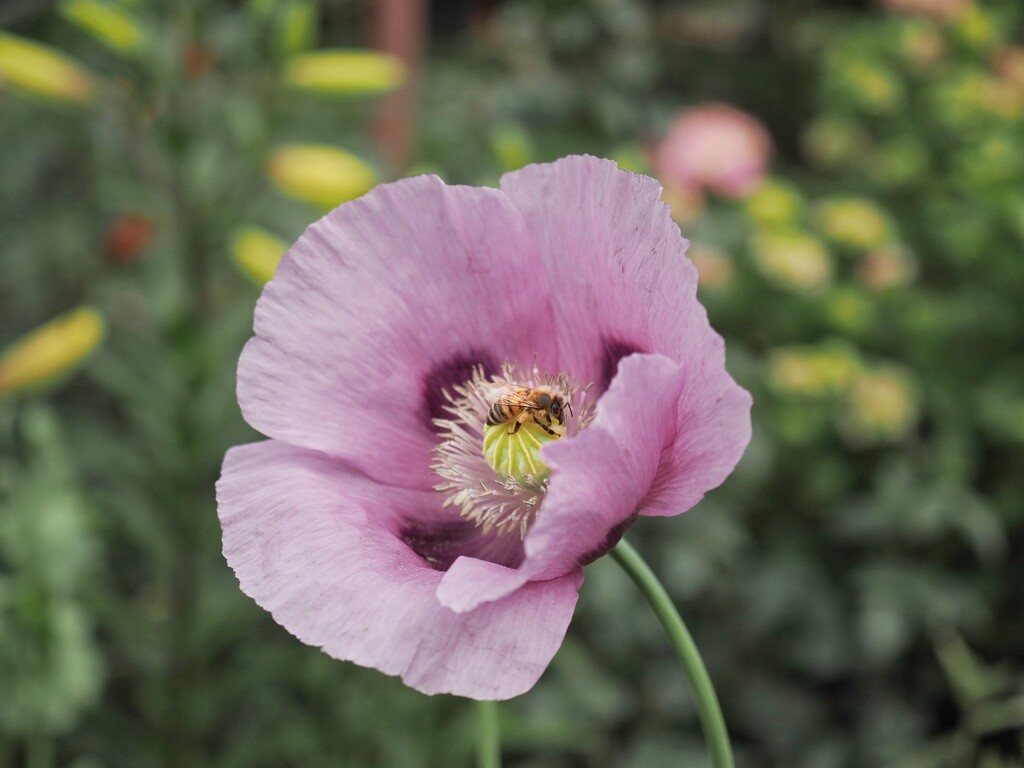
[48, 658]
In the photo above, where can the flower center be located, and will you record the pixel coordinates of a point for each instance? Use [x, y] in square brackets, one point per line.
[489, 456]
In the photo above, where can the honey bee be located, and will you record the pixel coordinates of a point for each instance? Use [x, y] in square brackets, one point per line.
[516, 405]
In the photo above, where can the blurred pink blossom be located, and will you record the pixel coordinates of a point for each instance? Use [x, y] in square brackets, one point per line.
[714, 147]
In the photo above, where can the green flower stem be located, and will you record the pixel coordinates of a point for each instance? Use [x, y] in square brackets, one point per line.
[488, 745]
[707, 702]
[39, 752]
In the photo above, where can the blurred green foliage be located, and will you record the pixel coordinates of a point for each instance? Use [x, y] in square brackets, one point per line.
[856, 587]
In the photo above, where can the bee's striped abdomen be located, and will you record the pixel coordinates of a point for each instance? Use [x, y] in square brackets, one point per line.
[498, 415]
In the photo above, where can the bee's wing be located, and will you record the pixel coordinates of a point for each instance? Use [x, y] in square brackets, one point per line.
[508, 395]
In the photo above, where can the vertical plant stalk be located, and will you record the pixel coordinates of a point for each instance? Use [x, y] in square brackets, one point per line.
[707, 702]
[488, 745]
[39, 752]
[401, 29]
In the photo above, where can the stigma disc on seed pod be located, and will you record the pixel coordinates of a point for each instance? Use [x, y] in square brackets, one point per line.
[517, 454]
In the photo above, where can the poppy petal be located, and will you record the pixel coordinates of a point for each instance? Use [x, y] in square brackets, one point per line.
[314, 543]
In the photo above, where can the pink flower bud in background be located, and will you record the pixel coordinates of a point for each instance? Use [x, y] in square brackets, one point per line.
[714, 147]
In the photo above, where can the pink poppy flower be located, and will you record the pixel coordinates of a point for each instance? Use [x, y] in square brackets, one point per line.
[370, 524]
[714, 147]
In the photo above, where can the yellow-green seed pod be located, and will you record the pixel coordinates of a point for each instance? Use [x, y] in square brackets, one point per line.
[51, 351]
[322, 175]
[110, 24]
[517, 455]
[41, 70]
[344, 72]
[257, 253]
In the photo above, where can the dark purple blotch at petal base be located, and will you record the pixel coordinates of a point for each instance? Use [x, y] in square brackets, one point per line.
[447, 375]
[613, 350]
[613, 537]
[441, 542]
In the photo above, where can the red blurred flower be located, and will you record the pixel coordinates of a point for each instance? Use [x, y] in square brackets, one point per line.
[127, 236]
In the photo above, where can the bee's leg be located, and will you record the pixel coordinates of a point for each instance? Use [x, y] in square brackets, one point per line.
[521, 419]
[547, 429]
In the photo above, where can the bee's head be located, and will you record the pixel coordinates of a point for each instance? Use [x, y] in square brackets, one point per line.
[557, 409]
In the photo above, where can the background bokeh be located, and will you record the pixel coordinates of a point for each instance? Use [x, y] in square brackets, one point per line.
[856, 587]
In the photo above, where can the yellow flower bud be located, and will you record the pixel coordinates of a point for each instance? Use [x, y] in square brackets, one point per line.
[897, 162]
[876, 89]
[977, 27]
[774, 203]
[793, 260]
[855, 222]
[344, 71]
[257, 253]
[43, 70]
[322, 175]
[50, 351]
[517, 455]
[109, 24]
[813, 371]
[849, 310]
[882, 406]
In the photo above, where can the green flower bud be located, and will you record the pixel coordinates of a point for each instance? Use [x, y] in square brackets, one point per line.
[257, 253]
[111, 25]
[344, 72]
[51, 351]
[322, 175]
[44, 71]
